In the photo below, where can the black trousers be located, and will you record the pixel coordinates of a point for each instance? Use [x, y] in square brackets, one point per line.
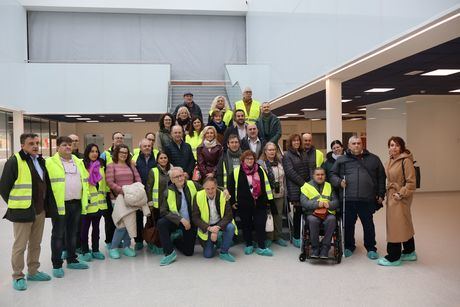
[139, 226]
[65, 232]
[365, 211]
[108, 222]
[253, 218]
[296, 220]
[185, 244]
[394, 249]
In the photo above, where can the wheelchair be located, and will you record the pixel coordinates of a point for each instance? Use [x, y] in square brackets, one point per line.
[336, 243]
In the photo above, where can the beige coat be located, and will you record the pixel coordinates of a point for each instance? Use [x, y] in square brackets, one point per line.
[399, 219]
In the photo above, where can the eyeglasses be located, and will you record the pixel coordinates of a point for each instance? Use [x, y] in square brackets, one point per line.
[123, 152]
[178, 176]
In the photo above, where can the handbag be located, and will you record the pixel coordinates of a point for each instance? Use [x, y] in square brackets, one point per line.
[150, 233]
[321, 213]
[269, 227]
[196, 174]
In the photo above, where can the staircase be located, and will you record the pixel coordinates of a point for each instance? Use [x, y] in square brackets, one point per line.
[203, 94]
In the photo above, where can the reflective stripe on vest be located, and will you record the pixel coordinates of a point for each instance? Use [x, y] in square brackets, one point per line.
[254, 111]
[156, 186]
[224, 171]
[202, 203]
[57, 178]
[268, 189]
[137, 152]
[108, 160]
[21, 194]
[172, 203]
[96, 198]
[312, 193]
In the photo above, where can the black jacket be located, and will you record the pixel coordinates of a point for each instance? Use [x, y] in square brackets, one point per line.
[232, 129]
[182, 156]
[245, 146]
[164, 207]
[296, 172]
[362, 184]
[244, 196]
[271, 133]
[195, 110]
[143, 167]
[9, 176]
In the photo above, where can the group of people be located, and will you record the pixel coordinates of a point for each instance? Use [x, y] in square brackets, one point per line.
[201, 182]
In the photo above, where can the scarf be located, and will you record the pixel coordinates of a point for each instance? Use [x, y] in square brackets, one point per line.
[94, 174]
[335, 156]
[210, 144]
[254, 175]
[183, 122]
[219, 125]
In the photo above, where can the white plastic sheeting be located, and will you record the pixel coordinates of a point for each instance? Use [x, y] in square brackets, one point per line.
[197, 47]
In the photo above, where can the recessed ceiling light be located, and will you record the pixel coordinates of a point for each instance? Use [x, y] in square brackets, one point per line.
[355, 118]
[343, 114]
[346, 100]
[362, 109]
[130, 115]
[291, 114]
[135, 118]
[387, 108]
[379, 89]
[441, 72]
[315, 119]
[101, 115]
[73, 116]
[83, 118]
[455, 91]
[309, 110]
[139, 121]
[92, 121]
[357, 97]
[282, 117]
[413, 73]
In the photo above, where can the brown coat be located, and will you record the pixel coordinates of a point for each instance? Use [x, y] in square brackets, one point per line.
[399, 219]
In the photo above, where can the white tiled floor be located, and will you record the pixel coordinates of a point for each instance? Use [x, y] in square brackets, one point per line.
[253, 280]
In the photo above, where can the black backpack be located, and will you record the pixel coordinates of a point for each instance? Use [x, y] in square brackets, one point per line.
[417, 174]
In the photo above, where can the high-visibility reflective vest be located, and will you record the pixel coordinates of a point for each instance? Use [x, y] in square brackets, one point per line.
[156, 186]
[108, 156]
[312, 193]
[21, 193]
[96, 196]
[194, 141]
[172, 204]
[138, 150]
[57, 177]
[202, 203]
[319, 158]
[254, 111]
[224, 173]
[228, 116]
[268, 189]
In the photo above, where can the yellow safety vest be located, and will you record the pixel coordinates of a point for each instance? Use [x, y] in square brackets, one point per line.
[194, 141]
[96, 196]
[224, 172]
[137, 152]
[57, 178]
[268, 189]
[202, 203]
[312, 193]
[156, 186]
[228, 116]
[21, 193]
[319, 158]
[172, 204]
[108, 157]
[254, 111]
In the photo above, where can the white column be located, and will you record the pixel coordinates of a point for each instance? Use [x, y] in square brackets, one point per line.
[333, 110]
[18, 129]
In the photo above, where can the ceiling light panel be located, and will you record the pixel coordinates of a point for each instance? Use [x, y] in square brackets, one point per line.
[379, 89]
[441, 72]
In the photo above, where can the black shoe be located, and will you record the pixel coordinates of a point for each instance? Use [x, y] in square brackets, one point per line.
[315, 253]
[324, 252]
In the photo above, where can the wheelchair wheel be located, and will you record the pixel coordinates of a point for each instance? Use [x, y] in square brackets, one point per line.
[302, 257]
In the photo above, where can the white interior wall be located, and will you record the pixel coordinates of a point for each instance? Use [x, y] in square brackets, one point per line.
[96, 88]
[431, 131]
[13, 53]
[302, 40]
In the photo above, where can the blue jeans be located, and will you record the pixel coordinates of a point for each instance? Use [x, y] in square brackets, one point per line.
[118, 235]
[227, 238]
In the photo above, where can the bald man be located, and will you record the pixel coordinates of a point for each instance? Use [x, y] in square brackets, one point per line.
[75, 143]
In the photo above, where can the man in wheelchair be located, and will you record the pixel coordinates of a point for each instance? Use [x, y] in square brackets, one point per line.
[319, 202]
